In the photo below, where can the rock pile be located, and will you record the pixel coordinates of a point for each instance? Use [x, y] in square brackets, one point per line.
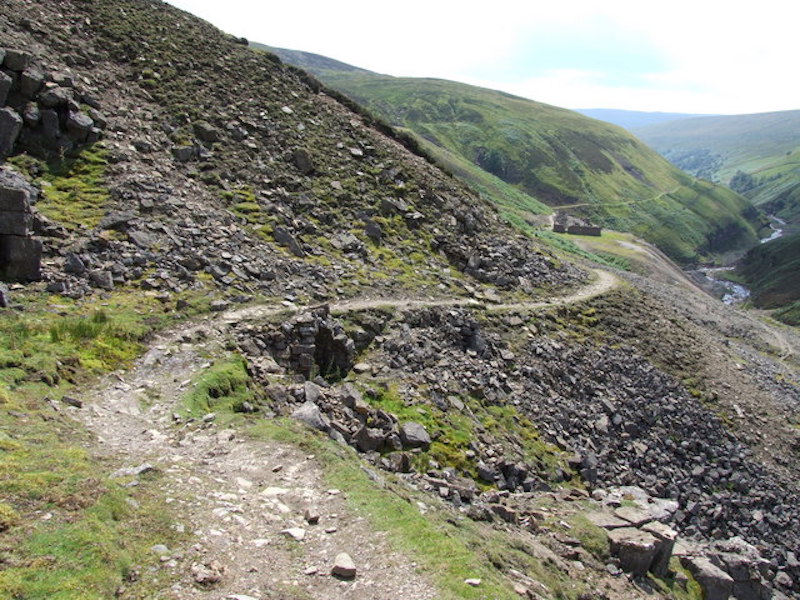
[43, 113]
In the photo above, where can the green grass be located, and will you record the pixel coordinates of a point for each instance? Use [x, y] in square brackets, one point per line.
[224, 387]
[772, 272]
[91, 536]
[789, 315]
[73, 189]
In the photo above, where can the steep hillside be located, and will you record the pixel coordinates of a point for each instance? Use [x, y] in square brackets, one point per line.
[556, 157]
[632, 119]
[270, 351]
[756, 155]
[772, 272]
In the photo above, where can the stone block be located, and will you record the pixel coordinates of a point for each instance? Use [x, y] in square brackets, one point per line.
[635, 549]
[10, 126]
[16, 60]
[16, 223]
[14, 200]
[715, 583]
[20, 258]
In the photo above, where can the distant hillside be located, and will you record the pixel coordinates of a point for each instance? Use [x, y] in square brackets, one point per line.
[523, 154]
[632, 119]
[772, 271]
[308, 60]
[758, 155]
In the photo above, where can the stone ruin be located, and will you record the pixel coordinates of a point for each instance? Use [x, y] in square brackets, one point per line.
[20, 252]
[565, 223]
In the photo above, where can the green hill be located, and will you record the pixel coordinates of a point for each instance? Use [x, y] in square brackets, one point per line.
[758, 155]
[523, 154]
[772, 271]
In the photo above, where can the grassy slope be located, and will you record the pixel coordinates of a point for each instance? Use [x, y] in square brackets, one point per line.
[772, 271]
[554, 156]
[765, 145]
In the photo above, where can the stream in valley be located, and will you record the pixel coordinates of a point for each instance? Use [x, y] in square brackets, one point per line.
[731, 292]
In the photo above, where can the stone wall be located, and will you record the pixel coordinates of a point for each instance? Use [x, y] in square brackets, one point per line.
[20, 253]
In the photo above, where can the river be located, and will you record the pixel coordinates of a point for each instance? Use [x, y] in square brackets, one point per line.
[731, 292]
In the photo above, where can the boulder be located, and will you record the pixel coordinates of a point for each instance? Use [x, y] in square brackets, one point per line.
[368, 439]
[343, 566]
[303, 161]
[715, 583]
[310, 414]
[205, 131]
[20, 258]
[30, 82]
[16, 60]
[666, 537]
[635, 549]
[5, 297]
[414, 435]
[79, 126]
[10, 126]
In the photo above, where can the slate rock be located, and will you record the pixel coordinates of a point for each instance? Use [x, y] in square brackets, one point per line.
[55, 97]
[10, 126]
[343, 566]
[79, 126]
[414, 435]
[5, 86]
[17, 60]
[715, 583]
[303, 161]
[30, 82]
[73, 264]
[205, 131]
[20, 258]
[369, 439]
[635, 549]
[310, 414]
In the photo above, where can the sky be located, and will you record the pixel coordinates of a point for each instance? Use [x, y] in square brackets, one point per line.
[698, 56]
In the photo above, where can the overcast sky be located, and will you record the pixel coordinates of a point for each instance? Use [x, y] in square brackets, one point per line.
[698, 56]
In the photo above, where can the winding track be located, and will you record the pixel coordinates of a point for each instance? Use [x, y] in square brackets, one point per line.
[603, 282]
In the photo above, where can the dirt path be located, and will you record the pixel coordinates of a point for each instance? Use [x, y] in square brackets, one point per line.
[238, 496]
[604, 281]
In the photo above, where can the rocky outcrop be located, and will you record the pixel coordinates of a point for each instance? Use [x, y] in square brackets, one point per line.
[44, 113]
[20, 252]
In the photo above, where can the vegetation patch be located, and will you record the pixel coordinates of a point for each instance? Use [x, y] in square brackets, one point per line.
[74, 193]
[224, 387]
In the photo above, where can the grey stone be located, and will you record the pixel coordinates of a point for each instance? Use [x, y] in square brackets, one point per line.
[10, 126]
[303, 161]
[31, 114]
[55, 97]
[74, 264]
[30, 82]
[368, 439]
[20, 258]
[50, 125]
[310, 414]
[311, 391]
[205, 131]
[79, 125]
[635, 549]
[343, 566]
[184, 153]
[284, 237]
[102, 279]
[16, 60]
[414, 435]
[666, 537]
[373, 231]
[5, 297]
[13, 199]
[5, 86]
[715, 583]
[16, 223]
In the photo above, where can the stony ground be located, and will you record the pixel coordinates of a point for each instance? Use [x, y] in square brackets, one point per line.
[245, 501]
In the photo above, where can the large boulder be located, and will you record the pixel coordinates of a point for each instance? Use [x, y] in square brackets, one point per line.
[310, 414]
[414, 435]
[636, 549]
